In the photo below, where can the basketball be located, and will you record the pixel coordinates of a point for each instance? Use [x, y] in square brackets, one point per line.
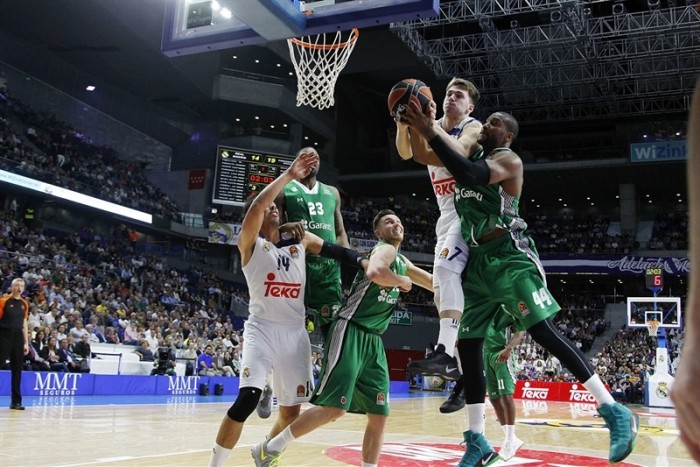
[405, 91]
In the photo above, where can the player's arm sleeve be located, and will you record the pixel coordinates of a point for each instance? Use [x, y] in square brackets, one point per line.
[464, 171]
[344, 255]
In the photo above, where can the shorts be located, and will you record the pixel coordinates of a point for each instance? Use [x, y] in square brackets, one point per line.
[286, 350]
[355, 373]
[451, 251]
[500, 376]
[501, 274]
[324, 291]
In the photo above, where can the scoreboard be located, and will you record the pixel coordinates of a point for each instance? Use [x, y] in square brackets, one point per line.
[654, 278]
[240, 172]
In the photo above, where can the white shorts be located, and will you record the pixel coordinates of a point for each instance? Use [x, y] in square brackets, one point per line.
[451, 251]
[286, 349]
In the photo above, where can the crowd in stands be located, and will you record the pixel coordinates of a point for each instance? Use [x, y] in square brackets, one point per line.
[577, 235]
[95, 285]
[37, 145]
[670, 231]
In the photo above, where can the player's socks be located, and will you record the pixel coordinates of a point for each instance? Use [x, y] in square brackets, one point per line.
[510, 431]
[448, 335]
[281, 441]
[219, 454]
[596, 387]
[367, 464]
[477, 417]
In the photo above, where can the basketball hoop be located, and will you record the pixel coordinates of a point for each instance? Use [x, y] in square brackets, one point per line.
[318, 60]
[653, 327]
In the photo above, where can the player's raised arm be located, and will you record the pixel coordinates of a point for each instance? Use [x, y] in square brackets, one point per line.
[264, 205]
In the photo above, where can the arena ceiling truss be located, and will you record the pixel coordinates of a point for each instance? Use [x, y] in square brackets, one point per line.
[565, 60]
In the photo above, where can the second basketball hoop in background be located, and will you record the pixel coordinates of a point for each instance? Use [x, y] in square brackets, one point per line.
[318, 61]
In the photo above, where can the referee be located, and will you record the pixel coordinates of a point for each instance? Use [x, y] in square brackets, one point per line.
[14, 343]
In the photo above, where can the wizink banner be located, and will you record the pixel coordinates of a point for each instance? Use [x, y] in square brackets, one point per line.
[615, 265]
[658, 151]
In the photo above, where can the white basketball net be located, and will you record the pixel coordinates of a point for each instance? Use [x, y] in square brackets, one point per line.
[653, 327]
[318, 60]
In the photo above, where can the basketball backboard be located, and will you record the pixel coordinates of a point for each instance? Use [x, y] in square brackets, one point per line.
[196, 26]
[667, 310]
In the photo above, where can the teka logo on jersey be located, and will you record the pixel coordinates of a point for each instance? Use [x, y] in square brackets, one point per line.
[57, 384]
[464, 193]
[580, 395]
[183, 384]
[444, 186]
[281, 289]
[534, 393]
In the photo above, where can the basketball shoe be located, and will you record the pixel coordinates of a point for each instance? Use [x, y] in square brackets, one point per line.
[479, 451]
[263, 457]
[623, 426]
[264, 408]
[453, 403]
[437, 363]
[509, 448]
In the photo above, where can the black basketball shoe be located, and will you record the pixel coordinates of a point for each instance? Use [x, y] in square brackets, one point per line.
[453, 403]
[437, 363]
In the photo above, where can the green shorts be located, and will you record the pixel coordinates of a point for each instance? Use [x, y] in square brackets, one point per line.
[499, 274]
[500, 376]
[324, 291]
[355, 375]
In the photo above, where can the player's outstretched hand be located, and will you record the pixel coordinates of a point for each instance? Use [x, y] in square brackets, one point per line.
[302, 165]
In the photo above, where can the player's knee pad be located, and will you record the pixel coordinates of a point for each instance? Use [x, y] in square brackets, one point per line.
[245, 404]
[448, 295]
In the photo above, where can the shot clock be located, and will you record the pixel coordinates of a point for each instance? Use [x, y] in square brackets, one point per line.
[654, 278]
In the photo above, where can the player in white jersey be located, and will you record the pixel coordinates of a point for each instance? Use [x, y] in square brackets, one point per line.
[451, 252]
[275, 336]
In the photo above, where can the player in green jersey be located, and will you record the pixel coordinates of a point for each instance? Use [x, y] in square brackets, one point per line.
[317, 206]
[500, 369]
[504, 270]
[355, 373]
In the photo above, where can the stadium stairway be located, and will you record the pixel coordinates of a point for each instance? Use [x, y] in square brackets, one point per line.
[617, 314]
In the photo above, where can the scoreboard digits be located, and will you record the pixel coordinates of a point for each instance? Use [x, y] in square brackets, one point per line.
[654, 278]
[240, 172]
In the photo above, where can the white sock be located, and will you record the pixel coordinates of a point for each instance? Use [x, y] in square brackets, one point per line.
[448, 335]
[219, 454]
[477, 417]
[510, 431]
[281, 441]
[504, 430]
[367, 464]
[596, 387]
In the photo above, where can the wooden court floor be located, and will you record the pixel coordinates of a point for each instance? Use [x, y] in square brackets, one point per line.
[180, 432]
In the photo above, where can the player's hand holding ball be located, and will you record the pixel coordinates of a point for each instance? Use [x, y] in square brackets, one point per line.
[403, 93]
